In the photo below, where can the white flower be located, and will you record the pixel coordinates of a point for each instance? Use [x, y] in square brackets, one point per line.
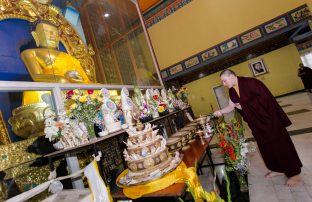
[49, 122]
[49, 113]
[50, 130]
[66, 120]
[244, 149]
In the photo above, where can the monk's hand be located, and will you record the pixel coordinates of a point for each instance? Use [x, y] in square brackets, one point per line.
[217, 113]
[238, 106]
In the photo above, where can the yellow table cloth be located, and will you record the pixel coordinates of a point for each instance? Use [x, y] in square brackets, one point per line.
[181, 174]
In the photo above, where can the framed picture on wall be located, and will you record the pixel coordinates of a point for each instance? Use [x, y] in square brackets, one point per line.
[258, 67]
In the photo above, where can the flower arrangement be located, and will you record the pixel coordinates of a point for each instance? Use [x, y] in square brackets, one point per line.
[234, 148]
[84, 106]
[68, 131]
[153, 101]
[182, 94]
[163, 109]
[141, 103]
[52, 128]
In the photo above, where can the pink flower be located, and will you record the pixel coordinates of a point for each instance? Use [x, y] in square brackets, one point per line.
[71, 92]
[90, 92]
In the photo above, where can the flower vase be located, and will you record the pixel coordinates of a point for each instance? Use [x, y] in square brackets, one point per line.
[145, 119]
[90, 129]
[164, 113]
[58, 145]
[243, 186]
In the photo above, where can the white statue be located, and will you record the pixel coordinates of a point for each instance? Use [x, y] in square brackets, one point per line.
[164, 95]
[149, 94]
[124, 95]
[109, 111]
[126, 106]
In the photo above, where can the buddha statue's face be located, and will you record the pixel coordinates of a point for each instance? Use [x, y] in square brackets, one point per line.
[47, 35]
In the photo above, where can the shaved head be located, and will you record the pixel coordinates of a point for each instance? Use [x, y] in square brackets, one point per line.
[227, 72]
[228, 78]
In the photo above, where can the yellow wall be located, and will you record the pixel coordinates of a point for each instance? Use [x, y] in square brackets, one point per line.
[204, 23]
[282, 78]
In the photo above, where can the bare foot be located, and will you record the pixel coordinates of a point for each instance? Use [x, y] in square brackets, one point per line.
[293, 181]
[273, 174]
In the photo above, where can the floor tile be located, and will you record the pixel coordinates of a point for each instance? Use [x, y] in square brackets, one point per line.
[275, 189]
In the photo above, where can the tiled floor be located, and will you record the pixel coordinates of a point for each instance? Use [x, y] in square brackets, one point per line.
[275, 190]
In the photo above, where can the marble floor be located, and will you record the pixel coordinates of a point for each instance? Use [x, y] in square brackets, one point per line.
[299, 109]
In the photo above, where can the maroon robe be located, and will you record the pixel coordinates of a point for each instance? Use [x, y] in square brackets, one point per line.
[267, 122]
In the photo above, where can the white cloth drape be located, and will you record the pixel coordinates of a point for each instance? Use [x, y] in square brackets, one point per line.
[96, 184]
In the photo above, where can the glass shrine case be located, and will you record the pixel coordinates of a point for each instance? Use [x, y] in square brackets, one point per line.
[57, 46]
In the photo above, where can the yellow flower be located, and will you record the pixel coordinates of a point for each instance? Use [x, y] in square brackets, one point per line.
[76, 91]
[93, 96]
[100, 99]
[97, 92]
[74, 97]
[161, 109]
[83, 99]
[73, 106]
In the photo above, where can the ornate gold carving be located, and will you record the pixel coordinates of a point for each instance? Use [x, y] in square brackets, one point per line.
[27, 175]
[4, 135]
[28, 121]
[15, 154]
[5, 5]
[44, 1]
[33, 11]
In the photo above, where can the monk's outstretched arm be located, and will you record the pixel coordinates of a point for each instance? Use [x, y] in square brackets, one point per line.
[230, 107]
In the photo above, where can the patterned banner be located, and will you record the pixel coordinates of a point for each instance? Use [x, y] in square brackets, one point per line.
[164, 74]
[162, 13]
[230, 45]
[176, 69]
[209, 54]
[251, 36]
[276, 25]
[300, 15]
[191, 62]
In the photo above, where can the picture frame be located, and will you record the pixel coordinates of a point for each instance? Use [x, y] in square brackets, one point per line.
[258, 67]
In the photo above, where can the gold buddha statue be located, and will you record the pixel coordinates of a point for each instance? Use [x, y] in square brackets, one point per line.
[47, 64]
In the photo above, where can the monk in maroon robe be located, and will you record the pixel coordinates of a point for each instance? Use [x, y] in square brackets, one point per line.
[267, 121]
